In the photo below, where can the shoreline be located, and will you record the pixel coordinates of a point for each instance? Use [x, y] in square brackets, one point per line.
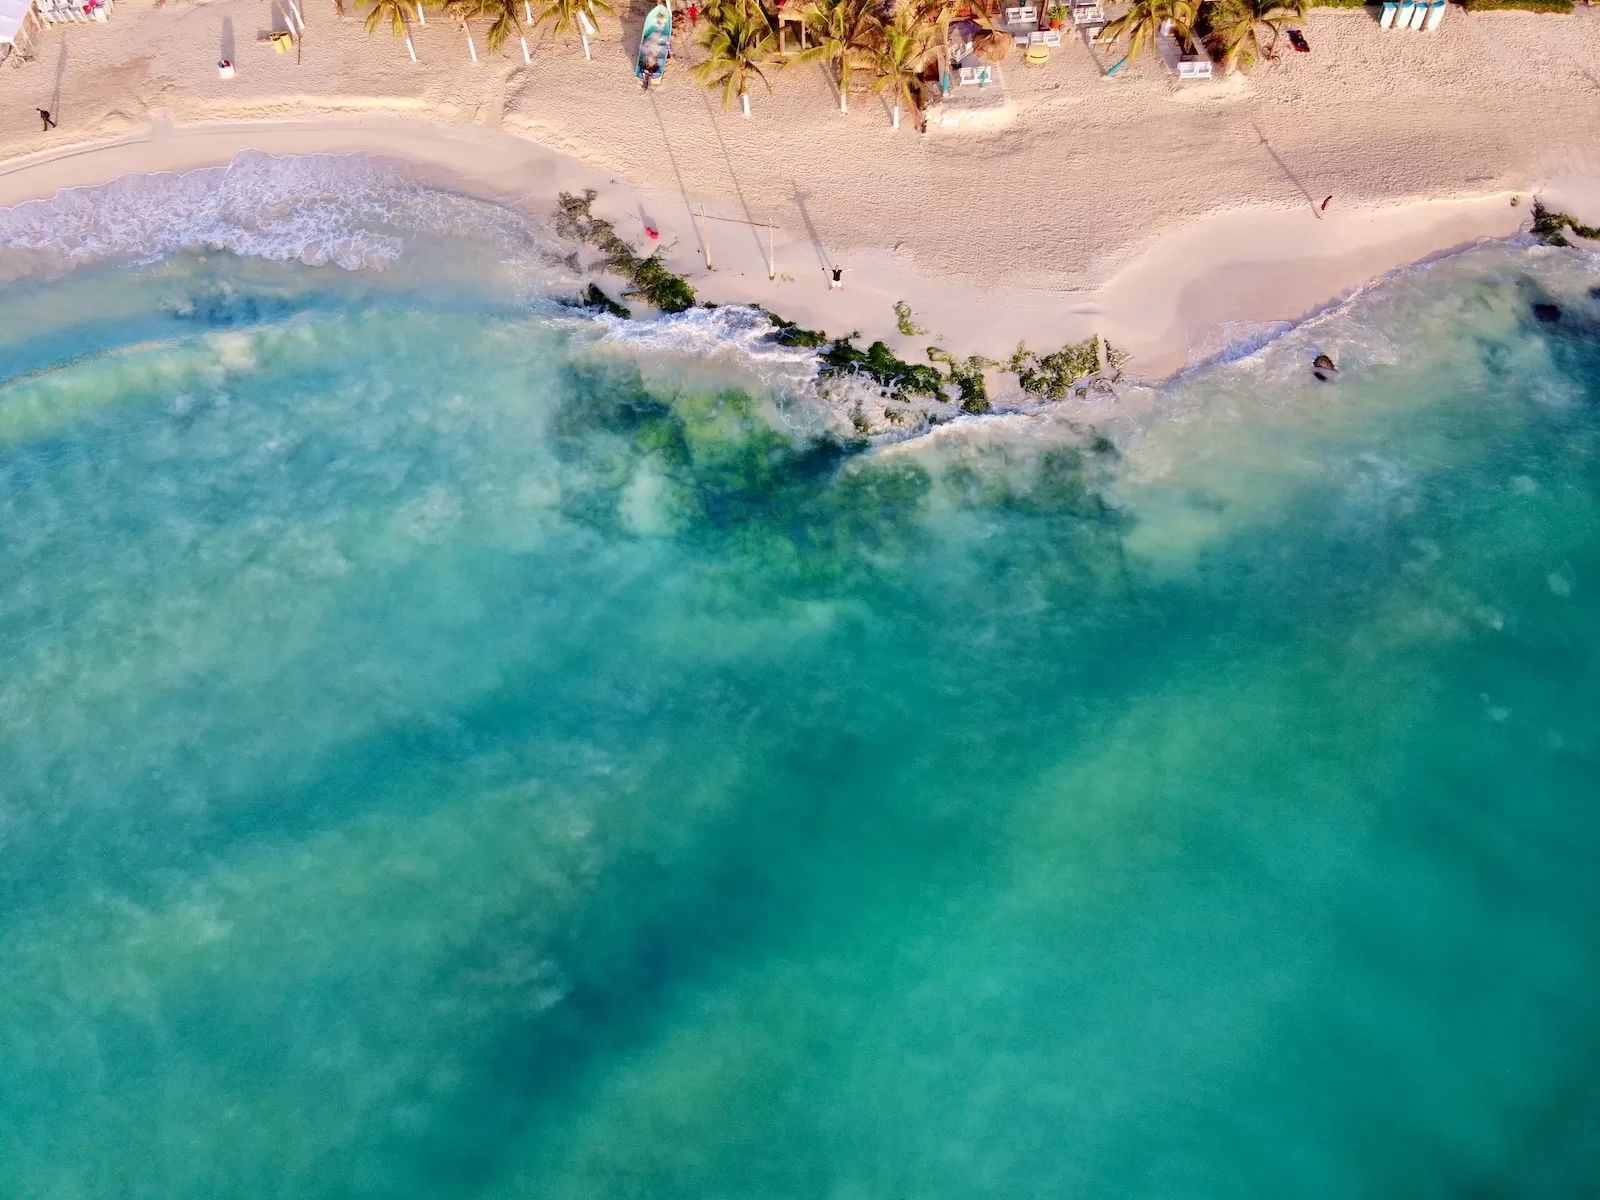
[1250, 266]
[1168, 218]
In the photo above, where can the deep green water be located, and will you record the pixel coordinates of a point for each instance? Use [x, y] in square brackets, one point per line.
[445, 753]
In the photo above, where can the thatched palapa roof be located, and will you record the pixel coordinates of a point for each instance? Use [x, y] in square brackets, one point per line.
[992, 46]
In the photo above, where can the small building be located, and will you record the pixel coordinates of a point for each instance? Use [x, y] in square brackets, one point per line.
[16, 22]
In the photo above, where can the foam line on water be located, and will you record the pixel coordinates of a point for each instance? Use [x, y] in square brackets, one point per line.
[352, 211]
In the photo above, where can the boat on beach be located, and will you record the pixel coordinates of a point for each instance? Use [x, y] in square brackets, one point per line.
[655, 45]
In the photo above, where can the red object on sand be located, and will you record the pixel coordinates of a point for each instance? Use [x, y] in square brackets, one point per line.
[652, 234]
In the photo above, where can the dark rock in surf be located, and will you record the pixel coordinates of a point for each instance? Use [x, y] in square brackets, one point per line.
[1323, 363]
[1547, 313]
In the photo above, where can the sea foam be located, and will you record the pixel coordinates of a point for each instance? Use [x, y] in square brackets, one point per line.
[352, 211]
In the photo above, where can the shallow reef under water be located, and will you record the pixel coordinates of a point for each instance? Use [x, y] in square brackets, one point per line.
[454, 746]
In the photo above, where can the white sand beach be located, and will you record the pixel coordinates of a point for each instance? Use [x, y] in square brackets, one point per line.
[1161, 215]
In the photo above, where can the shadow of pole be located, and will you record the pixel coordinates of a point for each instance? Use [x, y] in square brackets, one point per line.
[716, 126]
[811, 230]
[1088, 46]
[226, 49]
[677, 174]
[1287, 173]
[61, 74]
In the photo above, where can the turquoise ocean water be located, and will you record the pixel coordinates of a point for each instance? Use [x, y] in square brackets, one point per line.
[454, 748]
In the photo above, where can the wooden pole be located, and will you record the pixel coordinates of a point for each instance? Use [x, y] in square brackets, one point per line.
[705, 236]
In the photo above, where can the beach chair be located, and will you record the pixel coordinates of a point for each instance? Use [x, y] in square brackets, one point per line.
[1419, 14]
[1050, 37]
[1022, 40]
[1435, 14]
[1194, 66]
[1386, 17]
[1402, 18]
[1089, 19]
[967, 76]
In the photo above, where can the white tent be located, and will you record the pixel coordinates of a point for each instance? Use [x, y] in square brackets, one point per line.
[13, 17]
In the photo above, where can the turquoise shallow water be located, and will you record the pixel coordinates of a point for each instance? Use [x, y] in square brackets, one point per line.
[450, 749]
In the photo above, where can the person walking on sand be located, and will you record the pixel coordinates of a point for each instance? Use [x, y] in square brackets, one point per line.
[49, 121]
[837, 285]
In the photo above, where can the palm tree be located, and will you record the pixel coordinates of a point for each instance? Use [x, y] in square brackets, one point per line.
[847, 32]
[738, 40]
[1144, 19]
[505, 21]
[394, 12]
[463, 11]
[1236, 27]
[901, 54]
[564, 16]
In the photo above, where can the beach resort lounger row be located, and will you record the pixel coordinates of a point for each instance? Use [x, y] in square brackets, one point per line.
[1041, 37]
[1411, 14]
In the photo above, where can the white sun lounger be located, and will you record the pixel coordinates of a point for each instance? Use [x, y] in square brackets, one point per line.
[1194, 67]
[1402, 19]
[1435, 14]
[1419, 14]
[1386, 17]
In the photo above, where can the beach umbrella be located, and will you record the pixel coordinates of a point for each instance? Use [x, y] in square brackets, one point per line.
[992, 46]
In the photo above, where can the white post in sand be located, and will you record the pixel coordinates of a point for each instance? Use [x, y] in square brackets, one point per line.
[897, 116]
[525, 56]
[422, 17]
[586, 30]
[298, 19]
[410, 49]
[527, 12]
[705, 236]
[472, 47]
[772, 259]
[744, 99]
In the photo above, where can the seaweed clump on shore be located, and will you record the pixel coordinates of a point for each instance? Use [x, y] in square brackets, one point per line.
[595, 298]
[1054, 376]
[651, 280]
[1551, 227]
[967, 377]
[789, 333]
[878, 363]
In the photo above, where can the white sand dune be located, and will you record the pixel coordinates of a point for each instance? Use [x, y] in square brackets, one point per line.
[1148, 211]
